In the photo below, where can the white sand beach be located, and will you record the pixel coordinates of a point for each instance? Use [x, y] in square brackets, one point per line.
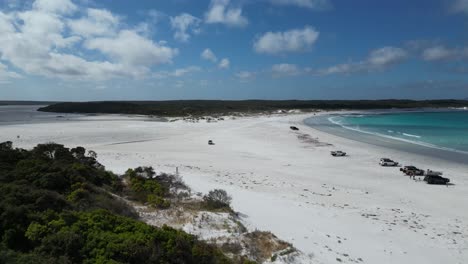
[348, 210]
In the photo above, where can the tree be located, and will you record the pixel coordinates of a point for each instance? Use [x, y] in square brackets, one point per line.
[92, 154]
[217, 199]
[78, 152]
[7, 145]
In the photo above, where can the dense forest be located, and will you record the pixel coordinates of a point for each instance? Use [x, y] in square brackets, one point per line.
[58, 205]
[206, 107]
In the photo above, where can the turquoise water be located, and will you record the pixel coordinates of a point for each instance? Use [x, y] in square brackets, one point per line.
[445, 130]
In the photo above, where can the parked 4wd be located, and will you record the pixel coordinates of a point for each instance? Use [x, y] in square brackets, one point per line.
[434, 179]
[387, 162]
[412, 171]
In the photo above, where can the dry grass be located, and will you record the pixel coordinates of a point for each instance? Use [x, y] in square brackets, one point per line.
[262, 246]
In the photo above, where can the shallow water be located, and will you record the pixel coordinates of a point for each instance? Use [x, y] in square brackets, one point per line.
[447, 129]
[441, 134]
[26, 114]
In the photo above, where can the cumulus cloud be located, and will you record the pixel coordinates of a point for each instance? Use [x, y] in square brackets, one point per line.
[312, 4]
[220, 11]
[207, 54]
[377, 60]
[6, 75]
[52, 39]
[224, 63]
[98, 22]
[55, 6]
[294, 40]
[285, 69]
[130, 48]
[184, 24]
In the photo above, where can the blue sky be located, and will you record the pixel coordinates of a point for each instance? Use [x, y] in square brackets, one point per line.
[79, 50]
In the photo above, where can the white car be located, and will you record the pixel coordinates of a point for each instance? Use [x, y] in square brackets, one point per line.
[387, 162]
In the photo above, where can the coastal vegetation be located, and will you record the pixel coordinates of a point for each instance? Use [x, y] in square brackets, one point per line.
[58, 205]
[2, 103]
[221, 107]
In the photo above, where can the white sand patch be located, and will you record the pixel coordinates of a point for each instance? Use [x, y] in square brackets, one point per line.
[349, 208]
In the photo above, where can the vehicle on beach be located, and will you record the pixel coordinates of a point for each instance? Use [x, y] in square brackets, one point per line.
[294, 128]
[412, 171]
[338, 153]
[432, 173]
[387, 162]
[436, 179]
[210, 142]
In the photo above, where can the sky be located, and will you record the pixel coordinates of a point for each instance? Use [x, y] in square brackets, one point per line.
[88, 50]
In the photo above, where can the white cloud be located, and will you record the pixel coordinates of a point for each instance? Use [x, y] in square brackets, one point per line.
[386, 56]
[224, 64]
[441, 53]
[285, 69]
[156, 16]
[245, 75]
[6, 75]
[183, 24]
[177, 72]
[312, 4]
[72, 67]
[97, 23]
[184, 71]
[294, 40]
[46, 40]
[379, 59]
[460, 6]
[55, 6]
[132, 49]
[437, 53]
[221, 12]
[207, 54]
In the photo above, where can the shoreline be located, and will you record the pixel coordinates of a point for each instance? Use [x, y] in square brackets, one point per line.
[286, 182]
[322, 123]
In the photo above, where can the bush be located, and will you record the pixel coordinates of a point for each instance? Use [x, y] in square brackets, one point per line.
[158, 202]
[54, 208]
[217, 199]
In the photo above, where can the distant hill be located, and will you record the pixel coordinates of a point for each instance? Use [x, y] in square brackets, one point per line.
[27, 102]
[205, 107]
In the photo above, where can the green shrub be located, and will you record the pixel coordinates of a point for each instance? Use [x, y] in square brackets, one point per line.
[158, 201]
[217, 199]
[54, 208]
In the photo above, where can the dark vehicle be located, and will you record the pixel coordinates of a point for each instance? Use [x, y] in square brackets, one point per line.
[294, 128]
[210, 142]
[338, 153]
[412, 171]
[434, 179]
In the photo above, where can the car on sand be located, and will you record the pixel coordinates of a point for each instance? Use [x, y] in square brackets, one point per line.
[436, 179]
[412, 171]
[387, 162]
[338, 153]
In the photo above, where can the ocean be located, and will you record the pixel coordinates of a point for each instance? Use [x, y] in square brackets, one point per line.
[24, 114]
[440, 133]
